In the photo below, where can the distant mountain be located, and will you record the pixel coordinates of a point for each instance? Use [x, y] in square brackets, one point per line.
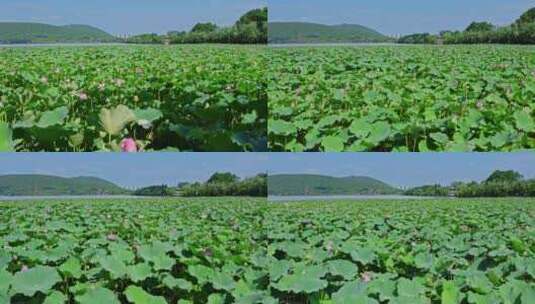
[24, 32]
[37, 185]
[305, 184]
[304, 32]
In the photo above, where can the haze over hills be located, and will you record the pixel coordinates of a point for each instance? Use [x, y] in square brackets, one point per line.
[307, 184]
[46, 185]
[305, 32]
[26, 32]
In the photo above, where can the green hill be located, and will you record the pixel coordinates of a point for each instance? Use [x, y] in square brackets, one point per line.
[303, 32]
[304, 184]
[23, 32]
[37, 185]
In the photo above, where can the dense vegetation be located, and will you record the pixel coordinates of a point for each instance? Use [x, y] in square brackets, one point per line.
[420, 38]
[132, 98]
[498, 184]
[160, 190]
[522, 31]
[497, 189]
[251, 28]
[428, 190]
[140, 251]
[32, 185]
[21, 32]
[247, 251]
[306, 184]
[304, 32]
[413, 98]
[433, 251]
[227, 184]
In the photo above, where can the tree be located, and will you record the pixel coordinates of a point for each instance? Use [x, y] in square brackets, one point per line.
[207, 27]
[509, 176]
[257, 16]
[480, 27]
[420, 38]
[223, 178]
[527, 17]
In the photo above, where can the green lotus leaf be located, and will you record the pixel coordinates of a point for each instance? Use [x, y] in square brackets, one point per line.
[277, 269]
[216, 298]
[475, 298]
[343, 268]
[410, 288]
[114, 266]
[379, 132]
[95, 294]
[137, 295]
[361, 128]
[174, 283]
[71, 268]
[202, 273]
[5, 259]
[524, 121]
[353, 292]
[6, 141]
[56, 297]
[5, 281]
[139, 272]
[281, 127]
[150, 115]
[300, 283]
[53, 117]
[222, 281]
[364, 255]
[332, 144]
[37, 279]
[450, 293]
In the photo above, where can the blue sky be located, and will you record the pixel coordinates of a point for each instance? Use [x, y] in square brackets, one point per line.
[400, 17]
[128, 16]
[136, 169]
[405, 169]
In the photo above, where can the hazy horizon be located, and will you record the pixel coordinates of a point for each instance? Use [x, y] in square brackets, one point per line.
[404, 169]
[137, 17]
[136, 169]
[400, 17]
[141, 169]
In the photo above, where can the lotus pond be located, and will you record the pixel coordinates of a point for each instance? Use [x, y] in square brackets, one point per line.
[93, 98]
[132, 251]
[243, 250]
[402, 98]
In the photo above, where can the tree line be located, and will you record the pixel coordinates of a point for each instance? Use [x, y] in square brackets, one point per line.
[251, 28]
[219, 184]
[522, 31]
[498, 184]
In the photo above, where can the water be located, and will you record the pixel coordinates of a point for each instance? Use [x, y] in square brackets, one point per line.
[275, 198]
[69, 197]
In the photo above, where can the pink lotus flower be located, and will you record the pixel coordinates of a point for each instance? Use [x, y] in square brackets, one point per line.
[366, 277]
[24, 268]
[82, 96]
[128, 145]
